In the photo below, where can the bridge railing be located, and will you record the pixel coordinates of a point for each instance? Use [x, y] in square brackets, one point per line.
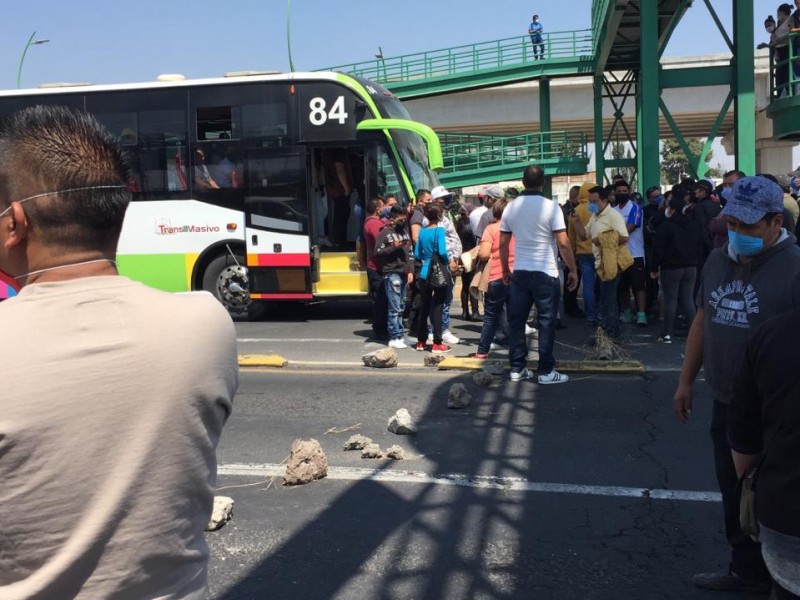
[473, 57]
[469, 151]
[784, 74]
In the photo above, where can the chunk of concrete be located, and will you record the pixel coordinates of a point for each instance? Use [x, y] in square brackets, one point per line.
[433, 360]
[386, 358]
[221, 513]
[357, 442]
[483, 378]
[401, 423]
[395, 452]
[494, 368]
[372, 451]
[459, 396]
[307, 462]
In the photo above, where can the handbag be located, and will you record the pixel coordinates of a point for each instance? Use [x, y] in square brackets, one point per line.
[438, 273]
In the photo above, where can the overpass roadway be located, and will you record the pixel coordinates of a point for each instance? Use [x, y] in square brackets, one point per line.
[514, 109]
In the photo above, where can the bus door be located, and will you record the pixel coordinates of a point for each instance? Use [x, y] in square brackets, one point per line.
[276, 199]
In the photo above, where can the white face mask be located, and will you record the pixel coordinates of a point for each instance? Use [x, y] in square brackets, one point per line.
[79, 189]
[770, 28]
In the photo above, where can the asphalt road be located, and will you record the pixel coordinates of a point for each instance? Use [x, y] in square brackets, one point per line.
[584, 490]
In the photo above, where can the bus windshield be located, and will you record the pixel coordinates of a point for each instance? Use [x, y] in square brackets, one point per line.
[414, 153]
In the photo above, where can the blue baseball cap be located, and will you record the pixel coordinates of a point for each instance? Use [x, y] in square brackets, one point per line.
[752, 198]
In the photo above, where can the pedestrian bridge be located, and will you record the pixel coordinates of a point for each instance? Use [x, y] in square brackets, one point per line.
[501, 88]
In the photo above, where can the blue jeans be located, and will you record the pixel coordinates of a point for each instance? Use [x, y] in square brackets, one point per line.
[586, 265]
[529, 288]
[448, 300]
[610, 307]
[494, 301]
[395, 286]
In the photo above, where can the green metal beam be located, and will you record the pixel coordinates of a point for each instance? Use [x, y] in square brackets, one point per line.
[663, 41]
[599, 141]
[688, 77]
[648, 94]
[681, 140]
[544, 125]
[609, 17]
[744, 86]
[719, 25]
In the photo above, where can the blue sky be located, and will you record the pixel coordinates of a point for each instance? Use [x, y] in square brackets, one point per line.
[108, 42]
[111, 42]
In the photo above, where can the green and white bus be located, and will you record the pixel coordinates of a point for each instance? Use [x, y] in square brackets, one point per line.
[229, 177]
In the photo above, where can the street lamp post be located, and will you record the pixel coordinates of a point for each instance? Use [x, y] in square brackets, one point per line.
[31, 42]
[289, 32]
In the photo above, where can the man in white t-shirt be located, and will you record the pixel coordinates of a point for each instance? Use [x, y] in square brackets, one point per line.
[115, 393]
[537, 225]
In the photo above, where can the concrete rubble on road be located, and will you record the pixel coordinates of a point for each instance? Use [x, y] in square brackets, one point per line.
[483, 378]
[433, 360]
[372, 451]
[221, 513]
[385, 358]
[395, 452]
[494, 368]
[307, 462]
[401, 423]
[357, 442]
[459, 396]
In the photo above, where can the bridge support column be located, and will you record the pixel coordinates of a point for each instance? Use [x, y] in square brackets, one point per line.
[647, 100]
[545, 127]
[599, 134]
[774, 157]
[743, 63]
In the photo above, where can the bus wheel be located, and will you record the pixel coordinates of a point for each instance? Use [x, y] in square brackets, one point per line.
[228, 281]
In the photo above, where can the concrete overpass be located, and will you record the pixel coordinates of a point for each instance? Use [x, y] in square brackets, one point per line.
[514, 109]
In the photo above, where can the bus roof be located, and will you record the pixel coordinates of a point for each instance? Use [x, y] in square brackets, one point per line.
[230, 79]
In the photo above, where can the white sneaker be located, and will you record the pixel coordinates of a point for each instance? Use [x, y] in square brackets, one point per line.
[553, 377]
[494, 346]
[520, 375]
[529, 330]
[398, 344]
[449, 338]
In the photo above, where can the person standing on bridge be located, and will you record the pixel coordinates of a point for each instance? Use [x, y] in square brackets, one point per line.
[116, 393]
[535, 31]
[755, 276]
[537, 225]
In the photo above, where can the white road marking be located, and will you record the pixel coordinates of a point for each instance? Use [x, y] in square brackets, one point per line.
[483, 482]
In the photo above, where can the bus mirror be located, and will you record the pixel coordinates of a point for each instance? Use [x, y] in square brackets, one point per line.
[435, 159]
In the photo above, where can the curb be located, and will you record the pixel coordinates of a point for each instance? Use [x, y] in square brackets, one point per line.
[262, 360]
[630, 367]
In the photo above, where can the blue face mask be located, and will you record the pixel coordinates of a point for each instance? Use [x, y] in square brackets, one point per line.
[658, 199]
[594, 208]
[385, 212]
[726, 195]
[745, 245]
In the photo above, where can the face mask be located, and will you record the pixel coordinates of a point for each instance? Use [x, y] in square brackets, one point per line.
[400, 225]
[726, 195]
[770, 28]
[745, 245]
[622, 198]
[658, 199]
[385, 212]
[594, 208]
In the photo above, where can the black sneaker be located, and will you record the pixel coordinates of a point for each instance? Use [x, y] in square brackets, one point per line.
[726, 581]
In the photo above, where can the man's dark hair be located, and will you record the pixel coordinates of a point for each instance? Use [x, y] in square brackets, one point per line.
[736, 172]
[533, 177]
[600, 191]
[397, 211]
[57, 149]
[785, 9]
[618, 183]
[772, 178]
[617, 177]
[373, 204]
[421, 194]
[434, 212]
[770, 217]
[706, 185]
[651, 189]
[609, 190]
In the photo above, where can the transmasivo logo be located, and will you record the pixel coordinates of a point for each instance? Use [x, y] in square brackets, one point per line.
[166, 228]
[733, 303]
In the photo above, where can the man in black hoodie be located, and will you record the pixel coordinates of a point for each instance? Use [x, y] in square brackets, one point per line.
[396, 262]
[753, 277]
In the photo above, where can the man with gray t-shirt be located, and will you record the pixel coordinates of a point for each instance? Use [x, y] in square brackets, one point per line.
[537, 225]
[115, 393]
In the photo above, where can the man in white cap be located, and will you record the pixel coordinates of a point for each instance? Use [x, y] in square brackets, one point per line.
[753, 277]
[492, 194]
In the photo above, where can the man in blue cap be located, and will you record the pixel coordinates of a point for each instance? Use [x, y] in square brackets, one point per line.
[753, 277]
